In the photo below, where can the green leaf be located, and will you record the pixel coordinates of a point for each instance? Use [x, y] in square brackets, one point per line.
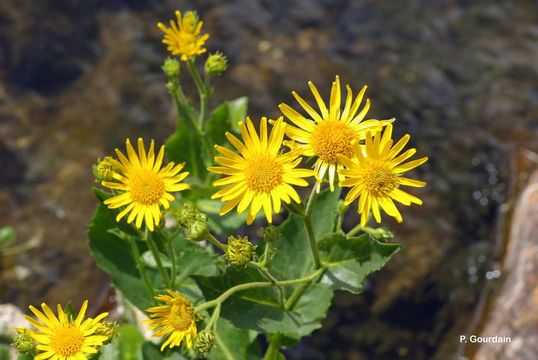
[232, 343]
[122, 225]
[349, 261]
[226, 117]
[293, 240]
[151, 351]
[112, 254]
[7, 236]
[237, 112]
[127, 346]
[259, 309]
[185, 145]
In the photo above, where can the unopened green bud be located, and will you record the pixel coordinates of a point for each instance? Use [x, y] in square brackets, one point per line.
[23, 342]
[384, 233]
[171, 68]
[271, 233]
[198, 230]
[186, 215]
[216, 64]
[104, 169]
[108, 329]
[204, 342]
[239, 251]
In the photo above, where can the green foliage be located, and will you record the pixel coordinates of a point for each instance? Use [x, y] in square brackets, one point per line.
[259, 309]
[7, 236]
[234, 344]
[111, 253]
[349, 261]
[293, 241]
[225, 118]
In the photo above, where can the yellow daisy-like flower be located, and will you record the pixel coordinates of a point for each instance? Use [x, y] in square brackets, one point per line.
[143, 184]
[62, 338]
[374, 175]
[259, 177]
[330, 132]
[183, 38]
[176, 317]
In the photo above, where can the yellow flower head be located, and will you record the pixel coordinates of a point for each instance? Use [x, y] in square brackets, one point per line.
[259, 176]
[62, 338]
[176, 317]
[330, 132]
[183, 38]
[374, 175]
[143, 184]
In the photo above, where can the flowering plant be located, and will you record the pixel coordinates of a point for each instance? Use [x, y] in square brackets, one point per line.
[185, 230]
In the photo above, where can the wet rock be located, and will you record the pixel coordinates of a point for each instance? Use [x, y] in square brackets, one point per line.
[13, 168]
[515, 311]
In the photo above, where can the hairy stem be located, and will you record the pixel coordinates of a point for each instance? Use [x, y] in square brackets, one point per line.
[215, 242]
[267, 275]
[157, 257]
[307, 219]
[255, 285]
[140, 265]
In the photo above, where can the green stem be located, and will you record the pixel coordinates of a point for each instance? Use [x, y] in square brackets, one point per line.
[202, 90]
[266, 255]
[267, 275]
[215, 242]
[272, 350]
[172, 254]
[212, 324]
[157, 257]
[255, 285]
[310, 230]
[140, 265]
[296, 295]
[355, 230]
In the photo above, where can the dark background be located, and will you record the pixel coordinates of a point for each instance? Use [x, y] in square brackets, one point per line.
[79, 76]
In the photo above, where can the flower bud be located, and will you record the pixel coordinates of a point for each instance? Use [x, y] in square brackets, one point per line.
[104, 169]
[239, 251]
[271, 233]
[108, 329]
[204, 342]
[216, 64]
[171, 68]
[23, 342]
[186, 215]
[383, 233]
[197, 230]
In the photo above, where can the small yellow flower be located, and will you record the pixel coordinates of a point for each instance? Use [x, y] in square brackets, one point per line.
[260, 176]
[62, 338]
[330, 132]
[183, 38]
[143, 184]
[374, 175]
[176, 317]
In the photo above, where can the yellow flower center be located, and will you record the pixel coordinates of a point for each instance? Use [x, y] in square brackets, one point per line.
[378, 178]
[146, 187]
[181, 315]
[263, 174]
[67, 340]
[332, 138]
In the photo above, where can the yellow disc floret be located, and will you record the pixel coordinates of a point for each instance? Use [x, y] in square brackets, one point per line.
[328, 133]
[260, 176]
[175, 318]
[143, 185]
[375, 175]
[332, 138]
[263, 174]
[62, 337]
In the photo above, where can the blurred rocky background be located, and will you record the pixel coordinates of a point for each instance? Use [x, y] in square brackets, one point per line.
[79, 76]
